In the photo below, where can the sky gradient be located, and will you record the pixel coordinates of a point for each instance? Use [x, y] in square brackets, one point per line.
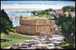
[23, 8]
[15, 7]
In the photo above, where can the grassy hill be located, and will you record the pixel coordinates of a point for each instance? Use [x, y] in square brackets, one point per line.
[13, 38]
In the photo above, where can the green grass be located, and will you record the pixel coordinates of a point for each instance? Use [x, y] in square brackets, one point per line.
[13, 38]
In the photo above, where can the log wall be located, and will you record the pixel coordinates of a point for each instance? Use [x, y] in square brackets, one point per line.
[36, 26]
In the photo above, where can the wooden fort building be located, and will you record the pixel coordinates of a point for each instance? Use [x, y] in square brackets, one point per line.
[35, 25]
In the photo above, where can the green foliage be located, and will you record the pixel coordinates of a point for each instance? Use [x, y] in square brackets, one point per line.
[44, 13]
[68, 8]
[68, 27]
[65, 44]
[5, 23]
[13, 39]
[66, 23]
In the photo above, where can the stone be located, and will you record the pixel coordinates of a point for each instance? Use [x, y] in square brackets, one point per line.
[43, 43]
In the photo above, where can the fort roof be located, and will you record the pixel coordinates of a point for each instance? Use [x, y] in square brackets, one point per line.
[33, 18]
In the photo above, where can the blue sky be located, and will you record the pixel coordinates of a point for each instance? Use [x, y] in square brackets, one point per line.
[17, 8]
[23, 8]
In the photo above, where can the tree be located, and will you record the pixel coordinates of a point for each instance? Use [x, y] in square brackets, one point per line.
[68, 28]
[35, 13]
[68, 8]
[5, 22]
[42, 13]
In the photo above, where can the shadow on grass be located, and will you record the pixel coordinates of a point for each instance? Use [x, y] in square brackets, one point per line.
[30, 34]
[27, 34]
[4, 40]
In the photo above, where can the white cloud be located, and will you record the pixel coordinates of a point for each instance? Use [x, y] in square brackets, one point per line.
[29, 7]
[11, 9]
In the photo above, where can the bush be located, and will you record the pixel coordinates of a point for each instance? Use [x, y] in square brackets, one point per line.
[68, 27]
